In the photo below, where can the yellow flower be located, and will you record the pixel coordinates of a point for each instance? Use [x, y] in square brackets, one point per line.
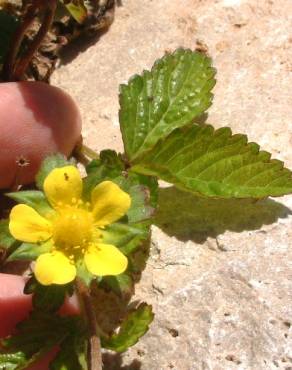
[73, 227]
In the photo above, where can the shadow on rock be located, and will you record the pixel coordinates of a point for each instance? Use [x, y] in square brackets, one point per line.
[111, 304]
[188, 217]
[80, 45]
[114, 362]
[81, 36]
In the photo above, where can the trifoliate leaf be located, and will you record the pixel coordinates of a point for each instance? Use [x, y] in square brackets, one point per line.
[8, 25]
[171, 95]
[30, 252]
[6, 239]
[215, 163]
[132, 329]
[33, 198]
[49, 163]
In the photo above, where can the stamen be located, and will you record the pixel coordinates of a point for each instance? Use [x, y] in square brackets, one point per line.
[72, 230]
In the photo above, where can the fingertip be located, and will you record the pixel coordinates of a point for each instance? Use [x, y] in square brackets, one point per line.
[36, 120]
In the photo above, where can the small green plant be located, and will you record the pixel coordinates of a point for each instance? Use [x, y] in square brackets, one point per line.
[92, 231]
[92, 234]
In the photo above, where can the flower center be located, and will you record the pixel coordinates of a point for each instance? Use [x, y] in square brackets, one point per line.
[72, 229]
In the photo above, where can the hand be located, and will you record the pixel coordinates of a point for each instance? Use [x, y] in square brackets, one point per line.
[15, 307]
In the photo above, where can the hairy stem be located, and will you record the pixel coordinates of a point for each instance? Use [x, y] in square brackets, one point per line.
[94, 352]
[9, 63]
[88, 152]
[48, 18]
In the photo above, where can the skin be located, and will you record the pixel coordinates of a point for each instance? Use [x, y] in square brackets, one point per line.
[36, 120]
[15, 307]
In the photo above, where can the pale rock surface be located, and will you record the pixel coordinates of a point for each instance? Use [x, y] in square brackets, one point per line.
[219, 275]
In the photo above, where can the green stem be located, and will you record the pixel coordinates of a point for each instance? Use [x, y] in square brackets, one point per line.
[88, 152]
[94, 352]
[84, 154]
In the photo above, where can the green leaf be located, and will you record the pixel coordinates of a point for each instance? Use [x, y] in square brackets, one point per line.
[30, 252]
[83, 273]
[122, 284]
[143, 191]
[137, 261]
[72, 356]
[47, 298]
[171, 95]
[12, 361]
[77, 9]
[109, 161]
[140, 209]
[6, 239]
[33, 198]
[126, 237]
[215, 163]
[132, 329]
[51, 162]
[108, 167]
[35, 336]
[8, 25]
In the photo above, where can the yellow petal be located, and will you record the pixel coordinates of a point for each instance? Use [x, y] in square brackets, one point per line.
[105, 259]
[63, 186]
[54, 268]
[110, 203]
[27, 225]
